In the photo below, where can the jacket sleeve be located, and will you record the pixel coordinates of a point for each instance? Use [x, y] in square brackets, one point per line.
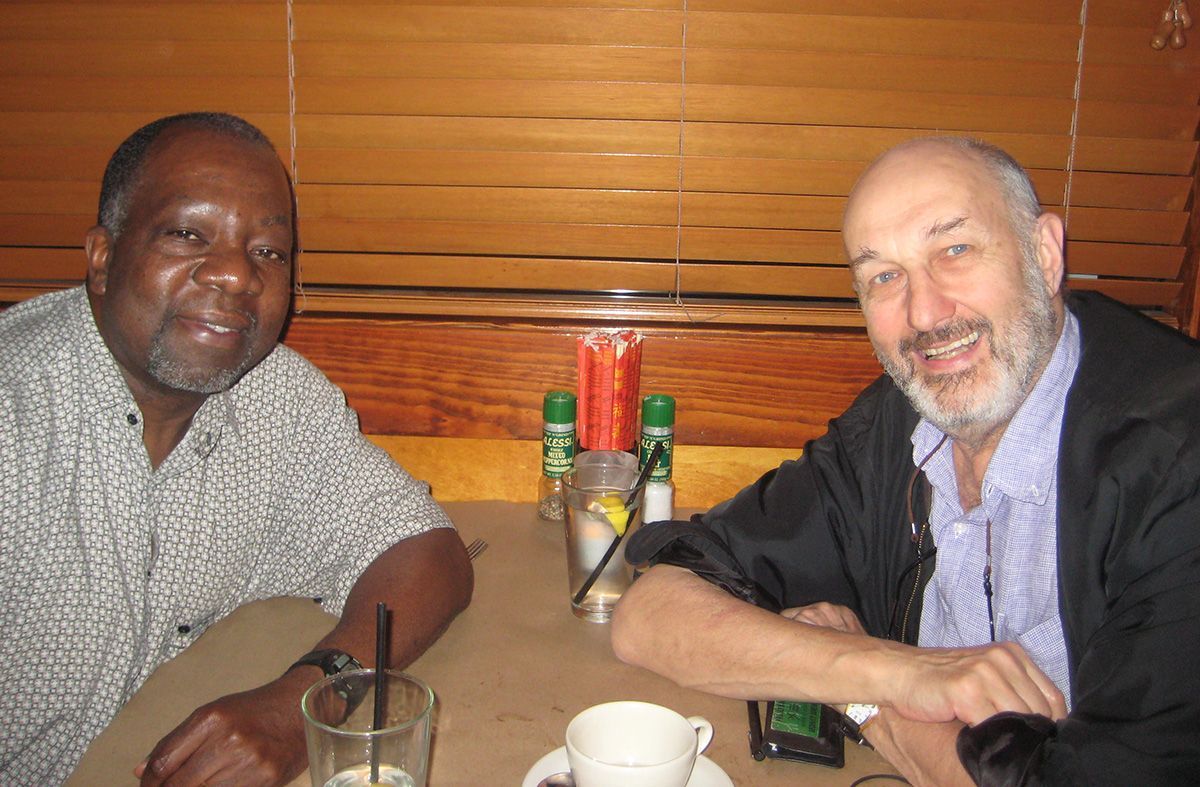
[828, 526]
[1133, 604]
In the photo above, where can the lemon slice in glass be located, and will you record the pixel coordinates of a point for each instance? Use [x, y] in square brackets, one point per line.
[613, 508]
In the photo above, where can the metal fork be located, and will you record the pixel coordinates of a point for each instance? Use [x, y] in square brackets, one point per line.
[476, 547]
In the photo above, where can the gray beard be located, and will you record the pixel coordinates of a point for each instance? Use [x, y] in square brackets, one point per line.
[955, 403]
[169, 371]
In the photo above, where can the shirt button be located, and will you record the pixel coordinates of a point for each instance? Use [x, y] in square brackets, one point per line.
[131, 418]
[185, 629]
[960, 529]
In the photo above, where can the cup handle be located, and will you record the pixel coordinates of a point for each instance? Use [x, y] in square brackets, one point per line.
[704, 732]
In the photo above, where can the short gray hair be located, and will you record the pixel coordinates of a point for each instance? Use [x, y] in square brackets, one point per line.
[121, 174]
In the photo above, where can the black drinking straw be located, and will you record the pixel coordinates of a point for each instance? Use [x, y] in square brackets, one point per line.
[651, 461]
[381, 635]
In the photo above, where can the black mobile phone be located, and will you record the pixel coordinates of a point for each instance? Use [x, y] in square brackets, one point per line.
[802, 731]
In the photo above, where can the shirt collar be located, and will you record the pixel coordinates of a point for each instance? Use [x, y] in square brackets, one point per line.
[1024, 464]
[104, 385]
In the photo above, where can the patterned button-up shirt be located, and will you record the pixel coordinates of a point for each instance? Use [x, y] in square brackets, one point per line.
[111, 567]
[1020, 495]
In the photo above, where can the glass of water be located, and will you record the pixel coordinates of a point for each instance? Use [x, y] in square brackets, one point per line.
[603, 501]
[342, 744]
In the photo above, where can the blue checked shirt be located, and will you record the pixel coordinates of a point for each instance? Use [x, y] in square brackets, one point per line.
[1019, 496]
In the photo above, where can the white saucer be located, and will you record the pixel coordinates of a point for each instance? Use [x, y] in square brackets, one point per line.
[706, 773]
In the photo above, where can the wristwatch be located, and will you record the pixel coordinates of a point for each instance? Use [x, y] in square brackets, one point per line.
[855, 719]
[332, 662]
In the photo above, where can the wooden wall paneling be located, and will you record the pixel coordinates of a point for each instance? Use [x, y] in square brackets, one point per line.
[857, 70]
[1143, 294]
[522, 273]
[44, 229]
[1128, 226]
[164, 58]
[467, 60]
[467, 237]
[1139, 120]
[1049, 11]
[1118, 259]
[1113, 189]
[145, 21]
[473, 24]
[496, 273]
[894, 35]
[65, 266]
[756, 388]
[488, 204]
[554, 135]
[905, 110]
[487, 168]
[486, 97]
[1162, 156]
[68, 127]
[74, 163]
[47, 196]
[571, 308]
[163, 95]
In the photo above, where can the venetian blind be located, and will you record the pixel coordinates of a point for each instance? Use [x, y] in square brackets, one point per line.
[637, 159]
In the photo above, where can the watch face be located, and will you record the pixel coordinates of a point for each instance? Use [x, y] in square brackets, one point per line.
[860, 713]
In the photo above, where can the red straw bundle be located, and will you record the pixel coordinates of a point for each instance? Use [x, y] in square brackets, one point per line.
[610, 371]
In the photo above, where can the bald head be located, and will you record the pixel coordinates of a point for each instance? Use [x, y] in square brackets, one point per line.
[986, 165]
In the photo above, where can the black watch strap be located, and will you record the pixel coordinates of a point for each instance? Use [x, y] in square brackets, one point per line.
[336, 662]
[330, 660]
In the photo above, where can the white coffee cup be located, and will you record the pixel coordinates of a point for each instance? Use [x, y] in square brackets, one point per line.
[634, 744]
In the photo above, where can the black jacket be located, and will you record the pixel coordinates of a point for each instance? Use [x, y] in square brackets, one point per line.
[833, 526]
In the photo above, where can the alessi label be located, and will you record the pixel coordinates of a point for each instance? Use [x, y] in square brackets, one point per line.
[558, 453]
[662, 470]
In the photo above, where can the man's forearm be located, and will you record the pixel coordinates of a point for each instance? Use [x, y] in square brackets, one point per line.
[425, 581]
[676, 624]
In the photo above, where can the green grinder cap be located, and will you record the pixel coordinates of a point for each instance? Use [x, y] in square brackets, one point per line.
[558, 407]
[658, 410]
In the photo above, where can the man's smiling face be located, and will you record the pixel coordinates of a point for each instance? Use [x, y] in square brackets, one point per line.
[195, 289]
[957, 306]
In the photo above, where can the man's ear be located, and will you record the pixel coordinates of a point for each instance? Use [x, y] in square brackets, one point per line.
[98, 245]
[1049, 236]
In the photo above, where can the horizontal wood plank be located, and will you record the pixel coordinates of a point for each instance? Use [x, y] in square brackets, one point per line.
[703, 475]
[554, 135]
[488, 98]
[227, 21]
[466, 60]
[621, 27]
[107, 128]
[768, 388]
[165, 57]
[525, 274]
[162, 95]
[894, 35]
[484, 168]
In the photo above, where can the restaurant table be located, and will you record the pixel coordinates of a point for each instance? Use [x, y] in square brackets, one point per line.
[509, 674]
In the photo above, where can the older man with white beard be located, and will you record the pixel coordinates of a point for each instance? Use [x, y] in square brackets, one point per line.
[1043, 446]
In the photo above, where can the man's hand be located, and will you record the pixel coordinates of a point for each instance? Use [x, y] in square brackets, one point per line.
[832, 616]
[967, 684]
[972, 684]
[252, 738]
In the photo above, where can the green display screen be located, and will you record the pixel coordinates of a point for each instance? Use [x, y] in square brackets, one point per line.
[798, 718]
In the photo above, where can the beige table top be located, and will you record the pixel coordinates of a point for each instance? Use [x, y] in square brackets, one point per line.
[509, 674]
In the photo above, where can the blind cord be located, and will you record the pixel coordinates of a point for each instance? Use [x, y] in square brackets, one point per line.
[1083, 9]
[678, 293]
[298, 286]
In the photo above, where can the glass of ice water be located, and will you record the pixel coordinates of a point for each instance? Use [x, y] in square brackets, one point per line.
[342, 743]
